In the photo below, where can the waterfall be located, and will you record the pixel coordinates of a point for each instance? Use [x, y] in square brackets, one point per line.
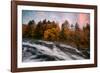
[39, 50]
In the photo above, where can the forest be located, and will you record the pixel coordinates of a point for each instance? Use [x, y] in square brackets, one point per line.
[70, 34]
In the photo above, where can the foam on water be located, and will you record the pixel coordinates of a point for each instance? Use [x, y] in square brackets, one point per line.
[36, 52]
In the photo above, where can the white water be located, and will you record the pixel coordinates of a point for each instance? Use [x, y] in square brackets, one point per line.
[48, 51]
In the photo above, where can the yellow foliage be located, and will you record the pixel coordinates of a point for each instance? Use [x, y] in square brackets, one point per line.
[51, 34]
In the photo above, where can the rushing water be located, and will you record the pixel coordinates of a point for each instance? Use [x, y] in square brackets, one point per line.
[39, 50]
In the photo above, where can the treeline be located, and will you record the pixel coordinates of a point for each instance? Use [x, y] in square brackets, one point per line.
[50, 31]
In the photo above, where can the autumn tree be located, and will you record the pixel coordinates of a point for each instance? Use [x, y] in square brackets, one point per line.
[51, 34]
[52, 31]
[65, 31]
[86, 31]
[40, 29]
[77, 36]
[25, 31]
[31, 25]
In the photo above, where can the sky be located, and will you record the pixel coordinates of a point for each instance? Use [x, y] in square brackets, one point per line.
[59, 17]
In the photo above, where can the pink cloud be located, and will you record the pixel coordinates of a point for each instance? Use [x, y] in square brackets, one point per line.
[83, 19]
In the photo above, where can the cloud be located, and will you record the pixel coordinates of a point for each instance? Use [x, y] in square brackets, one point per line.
[83, 19]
